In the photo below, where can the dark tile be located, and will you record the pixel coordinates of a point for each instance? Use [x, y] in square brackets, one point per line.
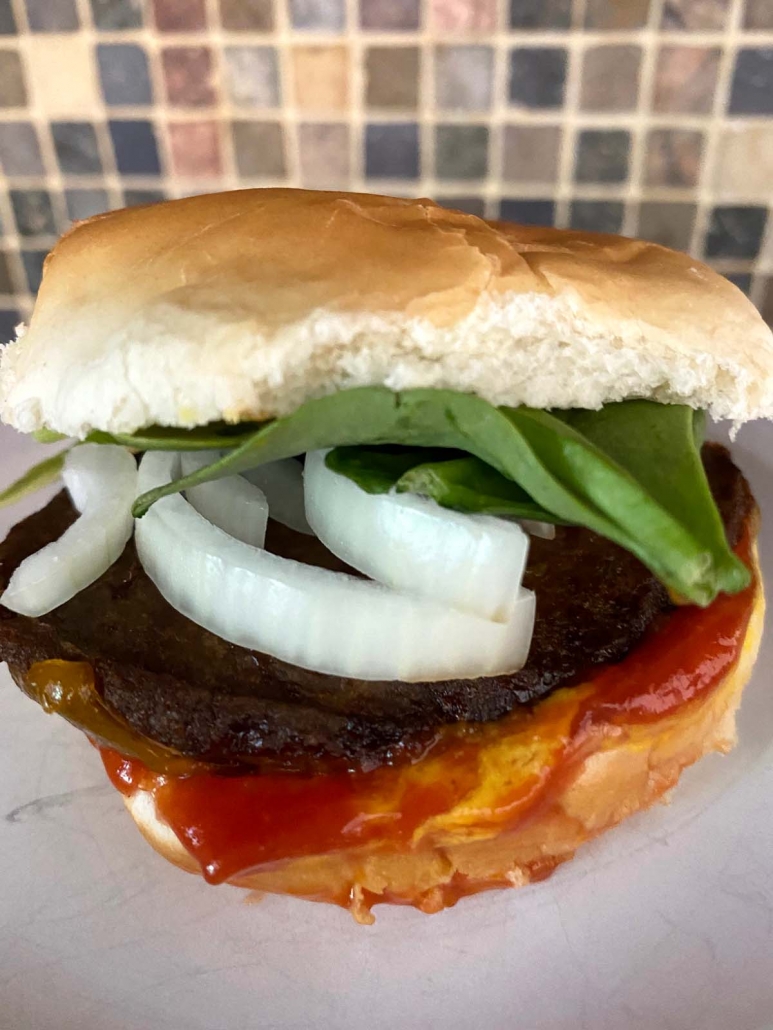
[668, 224]
[616, 14]
[32, 260]
[188, 76]
[318, 14]
[195, 148]
[139, 198]
[464, 77]
[6, 281]
[109, 15]
[33, 212]
[13, 92]
[540, 14]
[136, 150]
[7, 20]
[259, 149]
[673, 157]
[52, 15]
[527, 211]
[19, 150]
[752, 90]
[597, 215]
[392, 151]
[758, 14]
[123, 73]
[735, 231]
[602, 155]
[610, 78]
[537, 76]
[685, 79]
[247, 15]
[8, 322]
[392, 77]
[470, 205]
[324, 154]
[461, 151]
[387, 15]
[252, 75]
[85, 203]
[180, 15]
[76, 148]
[695, 15]
[530, 153]
[742, 280]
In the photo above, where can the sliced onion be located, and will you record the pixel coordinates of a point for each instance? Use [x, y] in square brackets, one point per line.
[545, 530]
[470, 562]
[233, 504]
[282, 483]
[101, 480]
[313, 617]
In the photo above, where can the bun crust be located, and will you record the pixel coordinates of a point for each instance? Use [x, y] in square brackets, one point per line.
[619, 773]
[243, 305]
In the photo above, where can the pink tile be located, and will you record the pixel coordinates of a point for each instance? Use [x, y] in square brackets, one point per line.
[195, 148]
[179, 15]
[188, 76]
[463, 15]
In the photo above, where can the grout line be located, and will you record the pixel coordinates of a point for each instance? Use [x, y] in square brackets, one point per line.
[357, 85]
[565, 187]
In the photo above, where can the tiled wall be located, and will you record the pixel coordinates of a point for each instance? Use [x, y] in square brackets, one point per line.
[649, 117]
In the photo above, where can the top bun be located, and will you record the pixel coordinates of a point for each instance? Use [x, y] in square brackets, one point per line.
[243, 305]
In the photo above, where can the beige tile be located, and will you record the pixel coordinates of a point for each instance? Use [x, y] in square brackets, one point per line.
[321, 77]
[744, 165]
[62, 76]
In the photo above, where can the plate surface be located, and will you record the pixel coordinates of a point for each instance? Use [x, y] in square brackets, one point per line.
[666, 921]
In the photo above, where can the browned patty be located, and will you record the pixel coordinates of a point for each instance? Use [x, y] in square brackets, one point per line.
[188, 689]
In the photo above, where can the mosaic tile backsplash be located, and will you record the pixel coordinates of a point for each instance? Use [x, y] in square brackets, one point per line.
[647, 117]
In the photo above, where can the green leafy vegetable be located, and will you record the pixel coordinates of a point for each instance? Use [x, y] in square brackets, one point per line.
[36, 478]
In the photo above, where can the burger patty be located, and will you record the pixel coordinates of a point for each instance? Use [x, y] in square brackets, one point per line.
[188, 689]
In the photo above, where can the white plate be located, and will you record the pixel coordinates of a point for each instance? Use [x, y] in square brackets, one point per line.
[665, 922]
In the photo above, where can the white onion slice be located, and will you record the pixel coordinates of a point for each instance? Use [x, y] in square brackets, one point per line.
[473, 563]
[233, 504]
[102, 482]
[544, 530]
[282, 483]
[313, 617]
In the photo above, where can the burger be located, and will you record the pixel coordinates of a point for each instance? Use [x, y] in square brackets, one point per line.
[392, 564]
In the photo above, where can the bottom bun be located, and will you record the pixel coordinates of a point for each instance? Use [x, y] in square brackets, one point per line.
[623, 770]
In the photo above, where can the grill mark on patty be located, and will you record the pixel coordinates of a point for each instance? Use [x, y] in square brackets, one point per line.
[188, 689]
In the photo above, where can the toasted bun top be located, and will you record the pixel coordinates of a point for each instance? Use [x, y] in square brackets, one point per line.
[243, 305]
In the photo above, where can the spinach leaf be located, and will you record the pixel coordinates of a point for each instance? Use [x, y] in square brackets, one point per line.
[36, 478]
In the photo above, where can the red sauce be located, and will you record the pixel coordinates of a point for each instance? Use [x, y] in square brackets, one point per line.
[233, 824]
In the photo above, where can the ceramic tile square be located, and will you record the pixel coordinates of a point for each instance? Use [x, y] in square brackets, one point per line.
[527, 211]
[123, 74]
[736, 231]
[329, 15]
[695, 15]
[188, 76]
[62, 76]
[320, 77]
[7, 19]
[389, 15]
[32, 262]
[461, 151]
[540, 14]
[392, 151]
[13, 92]
[252, 76]
[6, 280]
[758, 14]
[530, 153]
[33, 212]
[616, 14]
[742, 280]
[392, 77]
[752, 89]
[85, 203]
[195, 149]
[537, 77]
[601, 155]
[139, 198]
[324, 155]
[8, 322]
[470, 205]
[673, 157]
[19, 149]
[52, 15]
[464, 77]
[135, 147]
[247, 15]
[259, 148]
[597, 215]
[179, 15]
[610, 78]
[685, 79]
[77, 150]
[111, 15]
[668, 224]
[744, 161]
[462, 16]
